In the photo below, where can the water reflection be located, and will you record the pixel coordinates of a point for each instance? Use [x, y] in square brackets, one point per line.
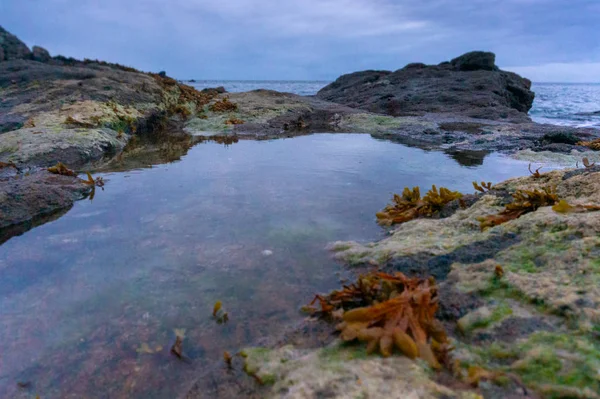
[245, 224]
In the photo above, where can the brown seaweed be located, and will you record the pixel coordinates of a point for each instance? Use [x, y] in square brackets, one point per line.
[524, 201]
[234, 121]
[177, 348]
[390, 311]
[219, 313]
[8, 165]
[223, 105]
[535, 174]
[587, 164]
[61, 169]
[594, 144]
[564, 207]
[411, 206]
[484, 187]
[99, 182]
[227, 358]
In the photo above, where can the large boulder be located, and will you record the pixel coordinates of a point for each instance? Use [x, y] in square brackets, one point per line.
[11, 47]
[40, 54]
[469, 85]
[474, 61]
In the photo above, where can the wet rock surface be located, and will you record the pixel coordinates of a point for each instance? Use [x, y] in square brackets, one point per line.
[538, 313]
[27, 198]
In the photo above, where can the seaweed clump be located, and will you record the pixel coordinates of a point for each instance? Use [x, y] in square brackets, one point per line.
[411, 206]
[524, 201]
[61, 169]
[390, 311]
[223, 105]
[593, 145]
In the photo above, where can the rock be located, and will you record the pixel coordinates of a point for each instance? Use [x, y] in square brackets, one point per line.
[40, 54]
[217, 90]
[474, 61]
[30, 197]
[471, 85]
[12, 47]
[341, 371]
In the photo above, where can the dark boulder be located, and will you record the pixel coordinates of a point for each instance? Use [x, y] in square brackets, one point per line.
[470, 85]
[40, 54]
[475, 61]
[11, 48]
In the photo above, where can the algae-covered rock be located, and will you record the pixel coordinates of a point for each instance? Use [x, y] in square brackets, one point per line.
[340, 371]
[536, 278]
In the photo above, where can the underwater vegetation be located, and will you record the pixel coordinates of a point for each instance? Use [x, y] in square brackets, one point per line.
[389, 311]
[223, 105]
[219, 314]
[524, 201]
[61, 169]
[594, 144]
[177, 348]
[411, 206]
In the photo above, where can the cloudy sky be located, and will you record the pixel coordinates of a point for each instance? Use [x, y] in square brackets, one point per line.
[546, 40]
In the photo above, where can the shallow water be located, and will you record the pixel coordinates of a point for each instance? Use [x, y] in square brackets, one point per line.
[154, 251]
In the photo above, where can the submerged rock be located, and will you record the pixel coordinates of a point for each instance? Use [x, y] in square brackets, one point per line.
[26, 198]
[470, 85]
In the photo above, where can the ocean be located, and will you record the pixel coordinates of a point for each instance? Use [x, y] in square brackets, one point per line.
[555, 103]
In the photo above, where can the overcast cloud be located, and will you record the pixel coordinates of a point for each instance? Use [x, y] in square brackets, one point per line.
[546, 40]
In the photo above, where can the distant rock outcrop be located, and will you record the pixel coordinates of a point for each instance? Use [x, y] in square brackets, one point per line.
[11, 48]
[470, 85]
[40, 54]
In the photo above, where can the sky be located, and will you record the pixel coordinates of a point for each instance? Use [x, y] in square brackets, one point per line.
[545, 40]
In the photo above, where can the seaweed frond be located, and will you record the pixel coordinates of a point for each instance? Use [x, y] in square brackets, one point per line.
[390, 311]
[594, 144]
[564, 207]
[484, 187]
[587, 164]
[219, 313]
[410, 205]
[61, 169]
[99, 182]
[524, 201]
[535, 174]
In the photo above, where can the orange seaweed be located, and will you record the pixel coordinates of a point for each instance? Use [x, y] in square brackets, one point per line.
[389, 312]
[411, 206]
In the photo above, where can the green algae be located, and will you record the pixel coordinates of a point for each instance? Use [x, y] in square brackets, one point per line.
[562, 359]
[484, 317]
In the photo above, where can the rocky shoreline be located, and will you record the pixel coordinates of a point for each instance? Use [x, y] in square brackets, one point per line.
[541, 311]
